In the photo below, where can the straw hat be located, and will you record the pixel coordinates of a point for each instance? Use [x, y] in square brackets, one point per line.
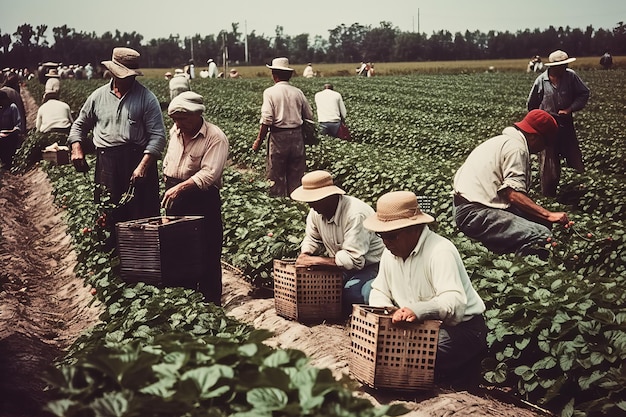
[280, 64]
[53, 73]
[539, 122]
[558, 57]
[396, 210]
[124, 63]
[316, 186]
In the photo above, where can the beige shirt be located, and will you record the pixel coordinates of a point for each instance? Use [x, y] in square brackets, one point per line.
[203, 159]
[343, 236]
[498, 163]
[284, 106]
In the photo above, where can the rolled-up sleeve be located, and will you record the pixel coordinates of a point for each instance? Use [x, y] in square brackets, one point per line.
[515, 167]
[355, 245]
[154, 127]
[213, 162]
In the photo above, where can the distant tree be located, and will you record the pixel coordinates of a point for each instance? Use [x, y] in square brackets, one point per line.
[378, 43]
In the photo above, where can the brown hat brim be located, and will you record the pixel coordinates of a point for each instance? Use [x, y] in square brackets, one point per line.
[317, 194]
[120, 71]
[374, 224]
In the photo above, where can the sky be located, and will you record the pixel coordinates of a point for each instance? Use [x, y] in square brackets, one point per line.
[153, 19]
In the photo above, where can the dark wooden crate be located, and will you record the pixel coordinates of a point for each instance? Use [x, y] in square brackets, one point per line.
[58, 157]
[163, 251]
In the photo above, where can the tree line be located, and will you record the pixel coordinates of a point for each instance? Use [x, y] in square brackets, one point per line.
[28, 46]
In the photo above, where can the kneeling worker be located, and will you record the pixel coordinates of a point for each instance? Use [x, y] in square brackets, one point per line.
[422, 277]
[335, 224]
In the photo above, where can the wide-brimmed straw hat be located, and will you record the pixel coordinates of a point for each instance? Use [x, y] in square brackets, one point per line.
[280, 64]
[124, 63]
[316, 186]
[396, 210]
[558, 57]
[539, 122]
[53, 73]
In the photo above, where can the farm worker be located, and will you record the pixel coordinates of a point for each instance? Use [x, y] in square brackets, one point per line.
[283, 111]
[54, 115]
[491, 202]
[233, 73]
[12, 87]
[606, 60]
[53, 83]
[334, 226]
[560, 92]
[192, 168]
[10, 122]
[179, 83]
[331, 110]
[422, 277]
[212, 68]
[308, 71]
[129, 136]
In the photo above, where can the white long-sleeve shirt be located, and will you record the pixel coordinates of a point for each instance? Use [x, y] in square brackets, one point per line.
[330, 106]
[432, 282]
[343, 236]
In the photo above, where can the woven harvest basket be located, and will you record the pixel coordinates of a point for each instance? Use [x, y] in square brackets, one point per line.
[392, 356]
[163, 251]
[305, 294]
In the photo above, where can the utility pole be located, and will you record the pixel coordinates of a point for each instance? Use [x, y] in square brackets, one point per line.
[245, 26]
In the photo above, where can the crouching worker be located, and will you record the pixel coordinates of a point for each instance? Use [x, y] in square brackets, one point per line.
[422, 277]
[192, 168]
[335, 225]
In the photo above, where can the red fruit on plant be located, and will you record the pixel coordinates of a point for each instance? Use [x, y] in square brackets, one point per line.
[93, 291]
[589, 235]
[270, 234]
[86, 230]
[549, 239]
[554, 244]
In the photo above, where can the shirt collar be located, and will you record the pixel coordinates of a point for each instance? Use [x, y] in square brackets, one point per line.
[420, 241]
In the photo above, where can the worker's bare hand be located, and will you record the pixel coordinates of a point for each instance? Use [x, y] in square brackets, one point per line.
[558, 217]
[403, 314]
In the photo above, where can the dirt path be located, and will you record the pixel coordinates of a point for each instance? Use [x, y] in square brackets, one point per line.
[44, 307]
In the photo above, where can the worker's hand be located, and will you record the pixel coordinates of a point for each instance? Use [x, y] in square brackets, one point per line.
[304, 259]
[78, 158]
[171, 195]
[565, 111]
[558, 217]
[257, 144]
[403, 314]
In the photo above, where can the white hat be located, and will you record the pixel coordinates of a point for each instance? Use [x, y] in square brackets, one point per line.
[280, 64]
[558, 57]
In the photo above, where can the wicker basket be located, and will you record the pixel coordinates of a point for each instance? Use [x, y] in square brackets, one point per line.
[305, 294]
[392, 356]
[163, 251]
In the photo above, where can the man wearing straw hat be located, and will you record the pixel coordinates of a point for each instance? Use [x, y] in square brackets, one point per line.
[334, 225]
[284, 110]
[560, 92]
[129, 136]
[422, 276]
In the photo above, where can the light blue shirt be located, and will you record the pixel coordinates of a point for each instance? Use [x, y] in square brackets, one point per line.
[136, 118]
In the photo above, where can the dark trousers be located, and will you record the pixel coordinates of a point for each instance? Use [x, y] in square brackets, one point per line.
[114, 169]
[460, 350]
[196, 202]
[8, 147]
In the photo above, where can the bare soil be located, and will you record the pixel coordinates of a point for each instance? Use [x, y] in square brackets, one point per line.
[44, 307]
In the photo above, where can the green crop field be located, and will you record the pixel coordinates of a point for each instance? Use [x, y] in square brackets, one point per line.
[557, 327]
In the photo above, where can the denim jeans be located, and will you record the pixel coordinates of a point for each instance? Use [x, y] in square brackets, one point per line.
[357, 286]
[502, 231]
[330, 128]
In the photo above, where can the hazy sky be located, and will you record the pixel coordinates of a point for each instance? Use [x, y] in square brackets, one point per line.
[153, 19]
